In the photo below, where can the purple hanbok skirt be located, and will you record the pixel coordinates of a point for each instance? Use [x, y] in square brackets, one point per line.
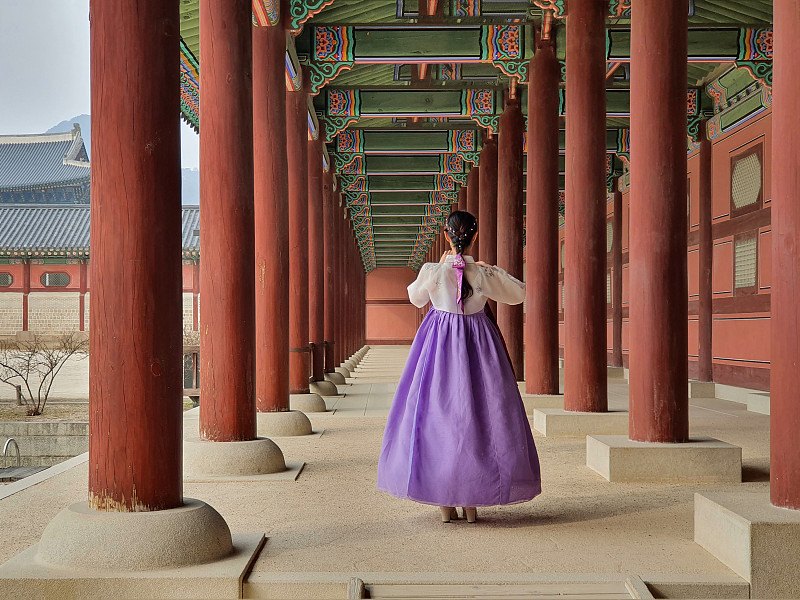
[457, 432]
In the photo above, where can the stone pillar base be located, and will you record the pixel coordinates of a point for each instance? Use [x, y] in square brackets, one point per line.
[311, 402]
[283, 424]
[79, 538]
[701, 460]
[180, 552]
[335, 378]
[758, 541]
[533, 401]
[557, 422]
[343, 371]
[323, 388]
[202, 458]
[615, 373]
[702, 389]
[350, 364]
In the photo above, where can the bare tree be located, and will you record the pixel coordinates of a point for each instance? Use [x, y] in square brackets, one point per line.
[32, 366]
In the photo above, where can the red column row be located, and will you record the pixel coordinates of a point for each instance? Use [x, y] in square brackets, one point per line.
[541, 319]
[585, 374]
[271, 219]
[509, 223]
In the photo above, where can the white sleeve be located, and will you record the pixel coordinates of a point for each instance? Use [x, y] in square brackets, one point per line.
[418, 291]
[502, 287]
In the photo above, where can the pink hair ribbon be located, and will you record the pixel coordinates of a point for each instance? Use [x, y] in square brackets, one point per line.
[458, 265]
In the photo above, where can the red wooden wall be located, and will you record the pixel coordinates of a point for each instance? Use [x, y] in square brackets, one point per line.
[741, 317]
[391, 318]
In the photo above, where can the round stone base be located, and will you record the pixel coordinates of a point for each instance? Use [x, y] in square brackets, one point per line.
[80, 537]
[311, 402]
[335, 378]
[283, 424]
[343, 371]
[350, 365]
[323, 388]
[260, 456]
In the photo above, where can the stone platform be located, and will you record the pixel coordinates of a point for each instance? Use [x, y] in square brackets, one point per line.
[332, 523]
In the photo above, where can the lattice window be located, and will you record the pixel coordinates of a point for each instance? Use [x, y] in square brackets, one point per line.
[609, 236]
[5, 279]
[608, 288]
[563, 295]
[746, 182]
[745, 263]
[55, 279]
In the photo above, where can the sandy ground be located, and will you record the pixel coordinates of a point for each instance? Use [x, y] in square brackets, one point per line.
[333, 519]
[71, 383]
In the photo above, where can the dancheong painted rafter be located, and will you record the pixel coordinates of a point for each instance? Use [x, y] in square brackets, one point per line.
[386, 80]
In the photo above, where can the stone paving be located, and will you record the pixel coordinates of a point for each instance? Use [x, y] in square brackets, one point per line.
[332, 520]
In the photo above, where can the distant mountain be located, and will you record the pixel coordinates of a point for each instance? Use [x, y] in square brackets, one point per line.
[190, 178]
[85, 121]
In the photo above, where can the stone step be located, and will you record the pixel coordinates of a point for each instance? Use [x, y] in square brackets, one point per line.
[541, 590]
[9, 474]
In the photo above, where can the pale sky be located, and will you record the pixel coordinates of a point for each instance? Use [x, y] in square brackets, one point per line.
[44, 68]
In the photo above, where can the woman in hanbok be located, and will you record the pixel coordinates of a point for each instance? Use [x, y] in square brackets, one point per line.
[457, 432]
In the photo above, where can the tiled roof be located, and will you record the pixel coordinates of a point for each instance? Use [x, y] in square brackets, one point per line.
[64, 230]
[191, 223]
[32, 161]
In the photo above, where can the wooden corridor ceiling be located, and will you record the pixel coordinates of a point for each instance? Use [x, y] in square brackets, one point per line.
[404, 101]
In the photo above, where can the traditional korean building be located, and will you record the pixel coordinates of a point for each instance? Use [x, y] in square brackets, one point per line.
[632, 160]
[45, 280]
[47, 168]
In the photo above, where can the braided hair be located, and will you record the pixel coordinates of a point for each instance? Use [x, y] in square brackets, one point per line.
[461, 228]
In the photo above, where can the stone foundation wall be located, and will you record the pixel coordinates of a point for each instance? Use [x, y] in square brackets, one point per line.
[10, 313]
[53, 312]
[86, 312]
[43, 444]
[188, 308]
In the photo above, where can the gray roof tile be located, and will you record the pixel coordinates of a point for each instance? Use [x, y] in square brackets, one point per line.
[64, 229]
[31, 161]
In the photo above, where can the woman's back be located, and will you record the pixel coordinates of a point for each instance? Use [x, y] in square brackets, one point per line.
[438, 283]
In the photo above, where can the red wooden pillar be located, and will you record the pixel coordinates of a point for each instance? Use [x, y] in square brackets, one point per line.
[316, 259]
[474, 201]
[659, 405]
[227, 312]
[26, 290]
[340, 285]
[462, 198]
[297, 152]
[616, 280]
[271, 219]
[509, 224]
[487, 210]
[785, 377]
[541, 323]
[329, 280]
[705, 365]
[135, 382]
[195, 296]
[84, 272]
[585, 271]
[347, 314]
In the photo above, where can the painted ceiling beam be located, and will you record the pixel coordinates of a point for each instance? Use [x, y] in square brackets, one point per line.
[704, 44]
[421, 142]
[335, 49]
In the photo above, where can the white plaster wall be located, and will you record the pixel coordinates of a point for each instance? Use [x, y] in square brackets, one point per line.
[10, 313]
[52, 313]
